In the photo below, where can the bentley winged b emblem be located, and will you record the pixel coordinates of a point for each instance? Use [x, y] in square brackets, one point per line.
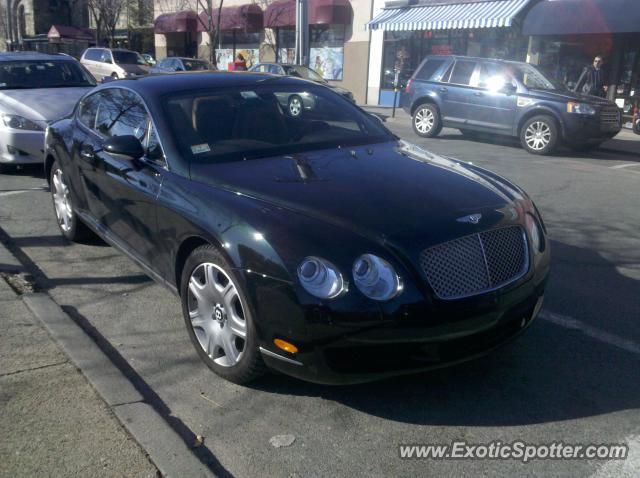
[471, 218]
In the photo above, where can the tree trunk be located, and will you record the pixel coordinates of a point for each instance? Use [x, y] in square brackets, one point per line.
[215, 43]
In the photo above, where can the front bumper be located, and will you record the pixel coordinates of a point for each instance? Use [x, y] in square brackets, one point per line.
[583, 129]
[391, 348]
[21, 147]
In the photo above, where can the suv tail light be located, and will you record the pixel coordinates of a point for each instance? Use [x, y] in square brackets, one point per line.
[407, 88]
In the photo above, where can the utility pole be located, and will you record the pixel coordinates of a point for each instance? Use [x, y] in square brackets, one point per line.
[302, 33]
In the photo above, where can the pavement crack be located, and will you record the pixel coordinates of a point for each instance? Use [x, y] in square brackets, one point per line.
[33, 368]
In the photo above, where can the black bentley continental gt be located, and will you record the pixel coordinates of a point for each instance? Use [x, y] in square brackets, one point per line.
[319, 244]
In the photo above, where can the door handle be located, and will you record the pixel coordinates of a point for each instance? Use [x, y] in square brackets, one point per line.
[443, 89]
[479, 93]
[87, 153]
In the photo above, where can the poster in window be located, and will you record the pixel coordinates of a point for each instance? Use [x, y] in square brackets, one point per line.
[287, 55]
[327, 61]
[224, 57]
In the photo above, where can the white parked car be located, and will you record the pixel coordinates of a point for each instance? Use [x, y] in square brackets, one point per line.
[35, 89]
[116, 63]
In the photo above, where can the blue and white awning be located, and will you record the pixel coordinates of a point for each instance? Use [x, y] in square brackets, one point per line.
[497, 13]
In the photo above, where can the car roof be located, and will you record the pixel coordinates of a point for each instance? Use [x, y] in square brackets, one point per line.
[475, 58]
[15, 55]
[155, 85]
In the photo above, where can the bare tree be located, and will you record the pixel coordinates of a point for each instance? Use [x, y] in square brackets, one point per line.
[208, 7]
[105, 14]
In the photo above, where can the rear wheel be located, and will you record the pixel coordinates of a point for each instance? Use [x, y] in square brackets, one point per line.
[426, 120]
[68, 221]
[218, 319]
[539, 135]
[114, 76]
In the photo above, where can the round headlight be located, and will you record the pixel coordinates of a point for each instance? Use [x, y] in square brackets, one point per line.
[321, 278]
[534, 232]
[376, 278]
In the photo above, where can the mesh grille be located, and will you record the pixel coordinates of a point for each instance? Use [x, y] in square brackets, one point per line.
[609, 115]
[477, 263]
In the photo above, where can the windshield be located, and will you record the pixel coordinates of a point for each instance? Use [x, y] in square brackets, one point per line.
[43, 74]
[128, 58]
[195, 65]
[531, 77]
[303, 72]
[266, 120]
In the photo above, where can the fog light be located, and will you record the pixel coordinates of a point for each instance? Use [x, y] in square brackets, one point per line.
[286, 346]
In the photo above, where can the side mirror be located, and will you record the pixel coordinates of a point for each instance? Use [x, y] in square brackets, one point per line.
[128, 146]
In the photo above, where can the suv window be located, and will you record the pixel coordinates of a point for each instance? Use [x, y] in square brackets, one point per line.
[491, 76]
[462, 72]
[429, 68]
[93, 54]
[88, 110]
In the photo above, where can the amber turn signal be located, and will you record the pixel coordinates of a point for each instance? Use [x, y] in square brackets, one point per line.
[286, 346]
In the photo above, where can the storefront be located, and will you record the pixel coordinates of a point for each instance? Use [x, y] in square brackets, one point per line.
[407, 34]
[563, 43]
[176, 34]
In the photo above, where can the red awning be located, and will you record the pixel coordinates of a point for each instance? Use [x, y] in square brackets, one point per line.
[282, 13]
[179, 22]
[248, 18]
[58, 32]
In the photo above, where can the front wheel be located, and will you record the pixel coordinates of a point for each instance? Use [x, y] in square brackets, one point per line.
[68, 221]
[295, 105]
[218, 319]
[539, 135]
[426, 120]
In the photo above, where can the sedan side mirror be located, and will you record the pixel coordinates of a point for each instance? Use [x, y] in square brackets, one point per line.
[127, 146]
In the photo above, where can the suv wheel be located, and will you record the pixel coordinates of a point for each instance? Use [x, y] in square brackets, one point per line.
[218, 318]
[426, 120]
[539, 135]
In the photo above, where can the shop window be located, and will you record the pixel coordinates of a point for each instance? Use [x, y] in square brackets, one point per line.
[236, 42]
[326, 50]
[286, 45]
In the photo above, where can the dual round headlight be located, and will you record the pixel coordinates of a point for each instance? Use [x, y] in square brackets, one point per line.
[372, 275]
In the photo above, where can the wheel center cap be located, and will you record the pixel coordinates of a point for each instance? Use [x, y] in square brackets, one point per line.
[219, 314]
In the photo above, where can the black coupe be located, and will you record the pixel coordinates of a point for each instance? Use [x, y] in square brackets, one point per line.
[318, 244]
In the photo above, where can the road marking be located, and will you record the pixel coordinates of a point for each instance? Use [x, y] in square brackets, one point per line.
[621, 166]
[20, 191]
[593, 332]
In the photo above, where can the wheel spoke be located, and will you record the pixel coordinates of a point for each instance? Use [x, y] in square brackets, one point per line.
[229, 348]
[198, 290]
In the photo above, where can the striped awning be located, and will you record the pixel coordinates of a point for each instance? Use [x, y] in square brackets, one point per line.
[497, 13]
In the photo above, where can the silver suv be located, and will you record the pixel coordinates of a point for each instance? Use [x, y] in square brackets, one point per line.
[114, 62]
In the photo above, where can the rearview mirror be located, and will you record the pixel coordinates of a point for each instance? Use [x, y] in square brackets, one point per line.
[127, 146]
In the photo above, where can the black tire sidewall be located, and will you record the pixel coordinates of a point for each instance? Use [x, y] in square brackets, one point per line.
[250, 365]
[553, 142]
[437, 121]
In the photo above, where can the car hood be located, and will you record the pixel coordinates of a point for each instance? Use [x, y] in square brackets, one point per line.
[41, 104]
[391, 191]
[571, 96]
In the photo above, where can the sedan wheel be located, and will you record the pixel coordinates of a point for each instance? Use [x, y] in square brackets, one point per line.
[68, 222]
[539, 135]
[295, 106]
[218, 317]
[426, 120]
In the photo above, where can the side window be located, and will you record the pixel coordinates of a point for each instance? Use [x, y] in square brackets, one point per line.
[121, 113]
[429, 68]
[275, 69]
[462, 72]
[154, 151]
[492, 76]
[163, 64]
[88, 110]
[92, 54]
[105, 57]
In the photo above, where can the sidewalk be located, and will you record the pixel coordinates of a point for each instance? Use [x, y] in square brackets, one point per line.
[52, 421]
[626, 142]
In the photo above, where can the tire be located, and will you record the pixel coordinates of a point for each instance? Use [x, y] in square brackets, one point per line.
[114, 75]
[216, 314]
[539, 135]
[426, 120]
[295, 106]
[68, 221]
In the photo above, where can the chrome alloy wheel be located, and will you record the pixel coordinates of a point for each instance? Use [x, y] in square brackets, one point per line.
[217, 314]
[537, 135]
[61, 201]
[424, 120]
[295, 106]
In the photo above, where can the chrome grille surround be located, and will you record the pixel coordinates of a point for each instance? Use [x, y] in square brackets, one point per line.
[610, 115]
[475, 264]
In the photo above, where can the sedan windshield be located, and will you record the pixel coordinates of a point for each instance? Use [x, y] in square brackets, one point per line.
[303, 72]
[43, 74]
[531, 77]
[266, 120]
[128, 58]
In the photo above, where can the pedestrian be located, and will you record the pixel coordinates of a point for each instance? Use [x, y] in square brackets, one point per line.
[240, 64]
[592, 80]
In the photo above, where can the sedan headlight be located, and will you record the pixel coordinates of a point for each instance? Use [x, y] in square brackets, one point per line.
[535, 234]
[18, 122]
[376, 278]
[321, 278]
[580, 108]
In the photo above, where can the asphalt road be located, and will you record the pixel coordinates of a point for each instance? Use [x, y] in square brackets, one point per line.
[574, 377]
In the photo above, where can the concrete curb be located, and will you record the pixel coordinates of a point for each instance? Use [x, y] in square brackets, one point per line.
[165, 447]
